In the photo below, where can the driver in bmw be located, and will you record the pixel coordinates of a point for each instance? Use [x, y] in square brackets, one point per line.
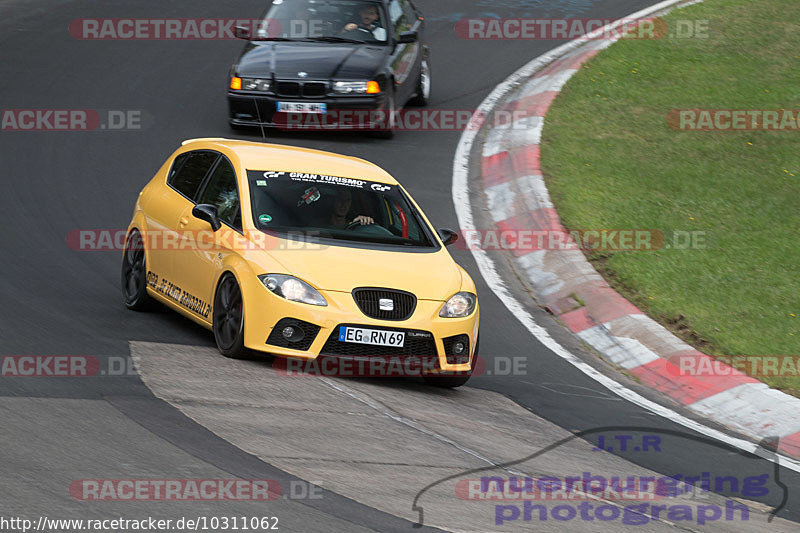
[369, 23]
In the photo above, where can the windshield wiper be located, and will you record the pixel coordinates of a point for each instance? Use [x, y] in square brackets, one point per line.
[274, 39]
[334, 39]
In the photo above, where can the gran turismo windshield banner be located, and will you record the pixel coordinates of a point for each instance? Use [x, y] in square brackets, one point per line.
[259, 176]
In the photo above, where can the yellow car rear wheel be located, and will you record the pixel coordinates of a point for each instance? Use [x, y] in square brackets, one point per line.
[134, 274]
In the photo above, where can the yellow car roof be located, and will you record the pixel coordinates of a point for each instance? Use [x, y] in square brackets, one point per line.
[261, 156]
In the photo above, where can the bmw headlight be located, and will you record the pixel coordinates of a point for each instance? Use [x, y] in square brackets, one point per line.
[459, 305]
[292, 289]
[256, 84]
[356, 87]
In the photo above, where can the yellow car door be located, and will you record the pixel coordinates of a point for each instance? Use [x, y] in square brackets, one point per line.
[198, 261]
[164, 213]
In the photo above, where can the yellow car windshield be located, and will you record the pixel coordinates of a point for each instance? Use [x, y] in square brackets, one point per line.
[338, 208]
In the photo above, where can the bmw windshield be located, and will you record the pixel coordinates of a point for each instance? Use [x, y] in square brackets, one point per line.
[337, 208]
[327, 20]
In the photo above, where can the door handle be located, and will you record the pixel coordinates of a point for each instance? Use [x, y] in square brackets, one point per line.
[184, 221]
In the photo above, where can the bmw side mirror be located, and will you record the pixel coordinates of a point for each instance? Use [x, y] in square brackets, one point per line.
[448, 236]
[408, 37]
[241, 32]
[208, 213]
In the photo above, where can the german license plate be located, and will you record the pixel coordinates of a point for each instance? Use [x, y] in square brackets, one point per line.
[374, 337]
[302, 107]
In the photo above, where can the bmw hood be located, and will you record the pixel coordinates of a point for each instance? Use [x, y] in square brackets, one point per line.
[320, 61]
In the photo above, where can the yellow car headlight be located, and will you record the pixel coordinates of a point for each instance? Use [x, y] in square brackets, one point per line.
[459, 305]
[293, 289]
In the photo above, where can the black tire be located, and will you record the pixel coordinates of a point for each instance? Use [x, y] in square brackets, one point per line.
[134, 274]
[452, 382]
[423, 84]
[388, 131]
[228, 318]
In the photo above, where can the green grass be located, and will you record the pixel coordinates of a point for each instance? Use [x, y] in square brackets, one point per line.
[611, 161]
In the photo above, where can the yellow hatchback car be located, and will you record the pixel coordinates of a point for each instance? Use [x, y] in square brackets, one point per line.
[300, 253]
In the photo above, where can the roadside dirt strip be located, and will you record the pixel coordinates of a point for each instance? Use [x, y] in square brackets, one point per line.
[518, 207]
[383, 442]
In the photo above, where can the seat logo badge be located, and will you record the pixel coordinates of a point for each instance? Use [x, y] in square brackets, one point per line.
[386, 304]
[303, 74]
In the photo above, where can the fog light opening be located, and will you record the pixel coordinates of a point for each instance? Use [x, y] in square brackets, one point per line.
[292, 334]
[458, 348]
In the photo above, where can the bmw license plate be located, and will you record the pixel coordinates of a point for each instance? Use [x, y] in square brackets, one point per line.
[302, 107]
[375, 337]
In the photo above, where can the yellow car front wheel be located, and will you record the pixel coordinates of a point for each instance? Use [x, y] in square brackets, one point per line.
[228, 321]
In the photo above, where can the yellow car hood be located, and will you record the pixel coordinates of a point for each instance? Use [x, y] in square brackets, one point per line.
[429, 276]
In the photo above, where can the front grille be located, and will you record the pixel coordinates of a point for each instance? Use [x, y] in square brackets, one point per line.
[368, 300]
[461, 358]
[288, 88]
[305, 89]
[310, 332]
[417, 343]
[314, 89]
